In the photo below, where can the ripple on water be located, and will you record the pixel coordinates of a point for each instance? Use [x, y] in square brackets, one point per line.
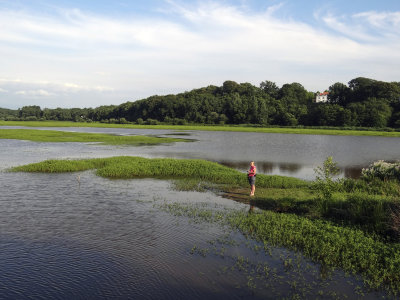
[103, 239]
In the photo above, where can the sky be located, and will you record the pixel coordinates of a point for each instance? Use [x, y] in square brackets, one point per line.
[59, 53]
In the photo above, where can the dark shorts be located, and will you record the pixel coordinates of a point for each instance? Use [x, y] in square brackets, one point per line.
[252, 180]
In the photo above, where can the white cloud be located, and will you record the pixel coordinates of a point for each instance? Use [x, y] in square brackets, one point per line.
[82, 55]
[56, 92]
[34, 93]
[371, 26]
[388, 21]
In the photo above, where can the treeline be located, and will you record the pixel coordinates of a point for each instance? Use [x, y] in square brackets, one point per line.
[362, 102]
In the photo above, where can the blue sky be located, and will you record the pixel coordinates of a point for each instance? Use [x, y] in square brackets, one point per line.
[91, 53]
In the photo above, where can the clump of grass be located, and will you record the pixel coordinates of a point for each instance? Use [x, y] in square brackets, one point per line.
[126, 167]
[332, 245]
[64, 136]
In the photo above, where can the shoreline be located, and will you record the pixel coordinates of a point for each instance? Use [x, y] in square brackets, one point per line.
[228, 128]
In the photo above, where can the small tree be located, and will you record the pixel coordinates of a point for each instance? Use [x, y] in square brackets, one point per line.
[324, 182]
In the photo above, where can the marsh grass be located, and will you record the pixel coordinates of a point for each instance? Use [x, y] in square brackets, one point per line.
[331, 245]
[64, 136]
[238, 128]
[126, 167]
[368, 212]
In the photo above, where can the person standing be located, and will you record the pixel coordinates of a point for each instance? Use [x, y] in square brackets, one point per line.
[251, 174]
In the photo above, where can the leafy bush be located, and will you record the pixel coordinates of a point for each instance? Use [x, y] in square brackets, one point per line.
[382, 170]
[324, 182]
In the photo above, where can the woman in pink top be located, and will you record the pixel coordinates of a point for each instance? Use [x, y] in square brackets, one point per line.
[251, 174]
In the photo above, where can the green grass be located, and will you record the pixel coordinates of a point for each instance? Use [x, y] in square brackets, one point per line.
[125, 167]
[370, 213]
[63, 136]
[312, 131]
[333, 246]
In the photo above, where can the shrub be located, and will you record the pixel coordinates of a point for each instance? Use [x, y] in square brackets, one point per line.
[151, 122]
[324, 180]
[382, 170]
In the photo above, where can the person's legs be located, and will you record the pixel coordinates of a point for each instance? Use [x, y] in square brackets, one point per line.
[252, 182]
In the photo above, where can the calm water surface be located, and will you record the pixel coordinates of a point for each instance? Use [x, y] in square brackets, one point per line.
[79, 236]
[278, 154]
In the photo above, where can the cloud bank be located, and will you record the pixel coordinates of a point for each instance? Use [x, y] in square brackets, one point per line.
[76, 58]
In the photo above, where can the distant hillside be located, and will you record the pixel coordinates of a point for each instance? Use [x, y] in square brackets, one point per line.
[362, 102]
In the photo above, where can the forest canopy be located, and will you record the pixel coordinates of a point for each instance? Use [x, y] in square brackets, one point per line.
[363, 102]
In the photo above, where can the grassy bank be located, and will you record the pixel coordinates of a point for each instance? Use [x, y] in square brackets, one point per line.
[348, 231]
[238, 128]
[63, 136]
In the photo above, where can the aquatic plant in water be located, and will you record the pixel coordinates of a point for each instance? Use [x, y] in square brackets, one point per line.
[331, 245]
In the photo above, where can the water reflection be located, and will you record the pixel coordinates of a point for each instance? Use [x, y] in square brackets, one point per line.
[352, 172]
[265, 167]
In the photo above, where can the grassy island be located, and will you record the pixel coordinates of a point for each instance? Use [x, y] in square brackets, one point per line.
[64, 136]
[354, 230]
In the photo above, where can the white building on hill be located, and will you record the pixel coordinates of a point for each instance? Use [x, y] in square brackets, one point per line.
[322, 97]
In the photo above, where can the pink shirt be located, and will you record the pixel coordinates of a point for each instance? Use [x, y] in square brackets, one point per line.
[252, 171]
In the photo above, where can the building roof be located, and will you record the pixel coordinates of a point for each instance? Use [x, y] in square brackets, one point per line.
[324, 93]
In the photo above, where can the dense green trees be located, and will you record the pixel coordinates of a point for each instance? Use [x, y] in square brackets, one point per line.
[363, 102]
[8, 114]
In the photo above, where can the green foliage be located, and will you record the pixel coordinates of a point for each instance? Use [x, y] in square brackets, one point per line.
[382, 170]
[30, 112]
[332, 245]
[8, 114]
[364, 102]
[325, 182]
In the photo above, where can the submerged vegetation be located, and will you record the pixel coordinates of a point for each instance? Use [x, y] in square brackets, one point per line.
[64, 136]
[348, 224]
[333, 246]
